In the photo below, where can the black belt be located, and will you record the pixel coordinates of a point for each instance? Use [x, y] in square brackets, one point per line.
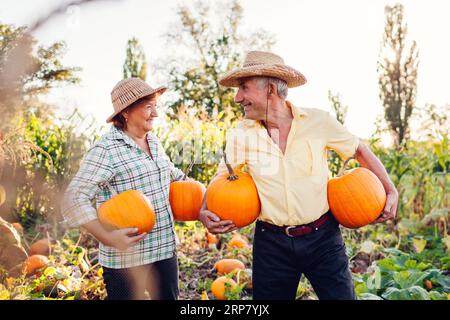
[301, 230]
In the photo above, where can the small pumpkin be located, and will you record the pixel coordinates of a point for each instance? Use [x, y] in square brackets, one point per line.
[356, 197]
[211, 239]
[33, 263]
[222, 285]
[238, 241]
[186, 198]
[225, 266]
[233, 196]
[41, 247]
[129, 209]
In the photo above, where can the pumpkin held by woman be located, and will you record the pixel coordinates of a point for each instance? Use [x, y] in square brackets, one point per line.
[129, 209]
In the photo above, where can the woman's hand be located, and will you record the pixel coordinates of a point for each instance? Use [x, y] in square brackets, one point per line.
[213, 223]
[123, 239]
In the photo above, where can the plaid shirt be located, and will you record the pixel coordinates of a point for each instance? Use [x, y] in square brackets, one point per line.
[116, 158]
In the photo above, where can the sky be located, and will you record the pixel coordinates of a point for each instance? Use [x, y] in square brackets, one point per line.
[334, 43]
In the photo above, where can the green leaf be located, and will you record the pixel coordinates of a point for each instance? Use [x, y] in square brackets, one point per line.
[413, 293]
[361, 289]
[419, 244]
[369, 296]
[434, 295]
[410, 264]
[443, 281]
[406, 279]
[388, 265]
[367, 247]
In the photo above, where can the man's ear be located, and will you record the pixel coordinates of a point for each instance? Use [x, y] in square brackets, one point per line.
[271, 89]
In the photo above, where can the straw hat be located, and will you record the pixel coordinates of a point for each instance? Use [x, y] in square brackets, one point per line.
[128, 91]
[260, 63]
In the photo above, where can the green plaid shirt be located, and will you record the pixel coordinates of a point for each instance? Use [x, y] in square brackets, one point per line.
[116, 158]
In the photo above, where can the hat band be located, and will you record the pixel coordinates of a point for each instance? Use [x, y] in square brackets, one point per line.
[253, 64]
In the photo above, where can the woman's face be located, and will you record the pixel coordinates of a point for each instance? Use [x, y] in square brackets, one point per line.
[141, 116]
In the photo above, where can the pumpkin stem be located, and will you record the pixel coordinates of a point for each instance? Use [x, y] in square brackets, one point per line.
[107, 185]
[344, 166]
[232, 175]
[188, 170]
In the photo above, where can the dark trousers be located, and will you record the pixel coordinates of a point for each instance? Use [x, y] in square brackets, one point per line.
[160, 279]
[279, 261]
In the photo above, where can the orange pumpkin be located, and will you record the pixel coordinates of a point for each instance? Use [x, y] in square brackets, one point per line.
[33, 263]
[222, 285]
[238, 241]
[225, 266]
[186, 197]
[356, 198]
[129, 209]
[211, 239]
[233, 196]
[41, 247]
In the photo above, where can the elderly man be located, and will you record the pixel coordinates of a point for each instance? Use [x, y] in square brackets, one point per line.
[285, 150]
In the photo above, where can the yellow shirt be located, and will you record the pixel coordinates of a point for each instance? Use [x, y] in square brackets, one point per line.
[292, 187]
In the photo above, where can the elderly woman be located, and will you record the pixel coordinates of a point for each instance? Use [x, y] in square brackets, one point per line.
[129, 157]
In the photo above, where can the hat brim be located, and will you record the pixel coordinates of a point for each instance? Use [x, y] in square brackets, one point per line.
[292, 77]
[158, 91]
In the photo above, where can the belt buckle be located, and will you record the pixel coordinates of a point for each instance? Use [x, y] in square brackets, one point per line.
[286, 230]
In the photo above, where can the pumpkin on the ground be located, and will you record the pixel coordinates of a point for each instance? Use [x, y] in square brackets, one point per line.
[233, 196]
[211, 239]
[238, 241]
[356, 198]
[129, 209]
[222, 285]
[40, 247]
[34, 263]
[225, 266]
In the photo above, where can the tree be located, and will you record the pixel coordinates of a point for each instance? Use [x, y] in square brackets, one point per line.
[199, 109]
[28, 71]
[212, 36]
[135, 64]
[397, 70]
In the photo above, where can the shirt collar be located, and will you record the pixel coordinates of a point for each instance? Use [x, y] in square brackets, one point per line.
[297, 112]
[118, 134]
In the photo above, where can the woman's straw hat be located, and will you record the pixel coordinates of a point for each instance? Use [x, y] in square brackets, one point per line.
[128, 91]
[265, 64]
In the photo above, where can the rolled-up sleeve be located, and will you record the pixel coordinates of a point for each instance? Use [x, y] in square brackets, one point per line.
[340, 139]
[77, 205]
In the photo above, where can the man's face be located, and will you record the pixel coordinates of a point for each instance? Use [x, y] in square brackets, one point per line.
[252, 96]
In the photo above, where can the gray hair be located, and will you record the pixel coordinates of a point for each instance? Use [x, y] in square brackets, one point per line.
[282, 87]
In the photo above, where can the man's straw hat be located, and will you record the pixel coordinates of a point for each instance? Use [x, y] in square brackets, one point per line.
[128, 91]
[265, 64]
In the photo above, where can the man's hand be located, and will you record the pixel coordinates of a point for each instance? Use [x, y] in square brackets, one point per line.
[213, 223]
[390, 208]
